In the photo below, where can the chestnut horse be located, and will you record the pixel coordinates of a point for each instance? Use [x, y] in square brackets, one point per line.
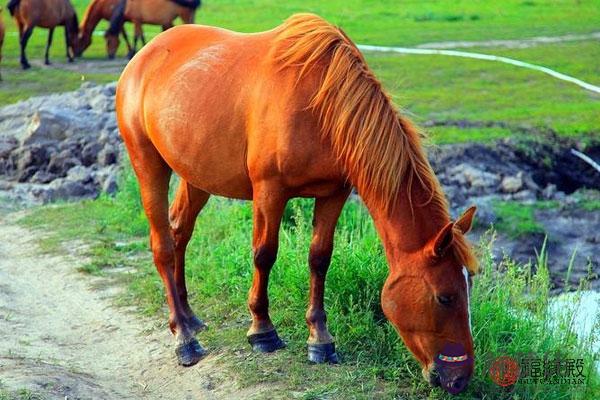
[98, 10]
[46, 14]
[293, 112]
[154, 12]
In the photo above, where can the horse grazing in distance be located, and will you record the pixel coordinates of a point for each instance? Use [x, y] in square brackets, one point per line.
[1, 37]
[46, 14]
[294, 112]
[154, 12]
[96, 11]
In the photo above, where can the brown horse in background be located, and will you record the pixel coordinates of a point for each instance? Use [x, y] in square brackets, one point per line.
[154, 12]
[1, 37]
[98, 10]
[46, 14]
[294, 112]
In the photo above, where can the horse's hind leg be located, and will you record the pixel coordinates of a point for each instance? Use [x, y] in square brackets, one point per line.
[321, 346]
[188, 202]
[126, 37]
[269, 204]
[48, 44]
[25, 35]
[153, 175]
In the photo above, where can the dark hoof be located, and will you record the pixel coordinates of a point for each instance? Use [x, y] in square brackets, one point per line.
[47, 62]
[189, 353]
[196, 324]
[26, 66]
[70, 60]
[322, 353]
[130, 54]
[111, 56]
[266, 342]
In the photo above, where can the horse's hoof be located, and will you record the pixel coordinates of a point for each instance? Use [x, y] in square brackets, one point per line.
[266, 342]
[47, 63]
[196, 324]
[189, 353]
[111, 57]
[26, 66]
[322, 353]
[130, 54]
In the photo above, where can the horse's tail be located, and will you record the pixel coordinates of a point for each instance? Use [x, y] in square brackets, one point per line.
[12, 5]
[117, 18]
[193, 4]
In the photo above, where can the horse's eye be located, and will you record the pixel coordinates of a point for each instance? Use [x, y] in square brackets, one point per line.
[445, 300]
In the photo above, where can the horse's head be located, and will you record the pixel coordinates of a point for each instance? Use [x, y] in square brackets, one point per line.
[427, 300]
[83, 42]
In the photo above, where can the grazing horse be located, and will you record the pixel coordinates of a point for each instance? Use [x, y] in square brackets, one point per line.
[293, 112]
[154, 12]
[1, 37]
[46, 14]
[95, 12]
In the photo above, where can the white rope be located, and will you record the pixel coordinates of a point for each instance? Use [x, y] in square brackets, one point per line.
[587, 159]
[479, 56]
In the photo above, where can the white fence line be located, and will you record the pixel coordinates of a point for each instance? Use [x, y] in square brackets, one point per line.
[487, 57]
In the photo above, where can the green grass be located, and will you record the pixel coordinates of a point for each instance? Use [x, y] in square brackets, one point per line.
[517, 219]
[509, 309]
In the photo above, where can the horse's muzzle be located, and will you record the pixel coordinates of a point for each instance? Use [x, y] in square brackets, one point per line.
[451, 380]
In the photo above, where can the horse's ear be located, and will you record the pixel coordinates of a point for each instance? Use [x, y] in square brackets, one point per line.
[443, 240]
[465, 221]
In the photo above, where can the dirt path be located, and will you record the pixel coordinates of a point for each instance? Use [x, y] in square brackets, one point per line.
[62, 337]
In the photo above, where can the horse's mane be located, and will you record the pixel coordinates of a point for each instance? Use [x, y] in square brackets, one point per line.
[87, 13]
[379, 148]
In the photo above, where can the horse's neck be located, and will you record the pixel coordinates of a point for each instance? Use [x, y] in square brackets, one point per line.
[90, 20]
[405, 229]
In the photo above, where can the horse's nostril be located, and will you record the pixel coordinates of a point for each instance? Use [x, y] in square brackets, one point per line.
[459, 383]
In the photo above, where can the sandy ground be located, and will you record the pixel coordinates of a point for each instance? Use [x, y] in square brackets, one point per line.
[62, 336]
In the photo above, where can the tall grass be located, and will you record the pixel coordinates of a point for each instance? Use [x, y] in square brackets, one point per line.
[510, 302]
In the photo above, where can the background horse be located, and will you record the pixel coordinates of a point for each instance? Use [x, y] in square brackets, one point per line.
[46, 14]
[154, 12]
[98, 10]
[293, 112]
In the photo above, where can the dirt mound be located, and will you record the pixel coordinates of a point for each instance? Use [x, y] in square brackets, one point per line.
[60, 146]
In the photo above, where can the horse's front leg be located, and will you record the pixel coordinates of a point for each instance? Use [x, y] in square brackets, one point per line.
[188, 202]
[269, 204]
[321, 347]
[25, 35]
[48, 44]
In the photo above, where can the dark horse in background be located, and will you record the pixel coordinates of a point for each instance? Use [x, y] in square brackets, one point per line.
[153, 12]
[46, 14]
[294, 112]
[97, 11]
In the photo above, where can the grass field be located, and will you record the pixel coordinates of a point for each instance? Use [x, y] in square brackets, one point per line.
[509, 310]
[427, 87]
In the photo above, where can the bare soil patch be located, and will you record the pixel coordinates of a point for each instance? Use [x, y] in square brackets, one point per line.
[63, 337]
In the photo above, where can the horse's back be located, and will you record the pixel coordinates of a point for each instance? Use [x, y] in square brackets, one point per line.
[157, 12]
[45, 13]
[182, 88]
[221, 113]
